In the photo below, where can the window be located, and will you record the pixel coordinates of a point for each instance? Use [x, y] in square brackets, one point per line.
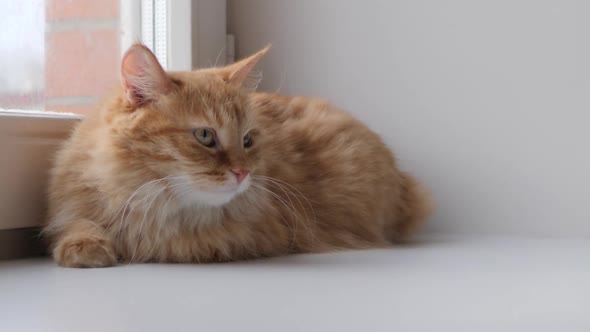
[59, 55]
[62, 56]
[22, 49]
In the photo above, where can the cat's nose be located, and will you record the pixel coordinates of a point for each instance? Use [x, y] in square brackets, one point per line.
[240, 173]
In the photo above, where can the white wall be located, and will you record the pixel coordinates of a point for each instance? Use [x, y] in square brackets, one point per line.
[208, 32]
[487, 101]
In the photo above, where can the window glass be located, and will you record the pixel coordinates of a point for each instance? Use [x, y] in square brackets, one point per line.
[58, 55]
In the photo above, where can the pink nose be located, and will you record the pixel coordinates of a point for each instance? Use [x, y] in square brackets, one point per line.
[240, 173]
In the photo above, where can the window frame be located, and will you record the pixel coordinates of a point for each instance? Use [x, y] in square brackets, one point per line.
[35, 131]
[178, 30]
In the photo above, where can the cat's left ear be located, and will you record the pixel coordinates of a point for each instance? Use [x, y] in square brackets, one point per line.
[241, 73]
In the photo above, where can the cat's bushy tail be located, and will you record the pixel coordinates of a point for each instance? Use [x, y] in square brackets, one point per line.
[414, 208]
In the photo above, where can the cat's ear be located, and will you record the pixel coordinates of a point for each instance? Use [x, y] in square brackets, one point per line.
[242, 74]
[144, 80]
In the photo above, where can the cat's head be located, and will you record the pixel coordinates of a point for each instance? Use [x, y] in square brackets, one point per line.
[194, 129]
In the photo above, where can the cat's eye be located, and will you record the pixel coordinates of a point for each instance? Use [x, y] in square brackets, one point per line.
[248, 140]
[205, 136]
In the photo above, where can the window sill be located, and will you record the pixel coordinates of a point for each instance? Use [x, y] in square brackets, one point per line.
[443, 283]
[28, 141]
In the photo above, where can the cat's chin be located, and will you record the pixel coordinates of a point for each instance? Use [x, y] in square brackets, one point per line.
[217, 197]
[212, 199]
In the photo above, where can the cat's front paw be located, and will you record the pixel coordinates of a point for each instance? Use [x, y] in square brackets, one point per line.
[85, 252]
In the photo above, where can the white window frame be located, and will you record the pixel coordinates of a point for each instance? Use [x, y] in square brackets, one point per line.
[178, 30]
[38, 134]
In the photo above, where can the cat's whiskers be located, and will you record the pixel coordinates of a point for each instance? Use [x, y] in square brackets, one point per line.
[293, 211]
[174, 194]
[277, 183]
[125, 206]
[268, 205]
[293, 230]
[218, 55]
[124, 221]
[129, 199]
[286, 184]
[171, 185]
[283, 79]
[285, 187]
[150, 201]
[143, 220]
[178, 195]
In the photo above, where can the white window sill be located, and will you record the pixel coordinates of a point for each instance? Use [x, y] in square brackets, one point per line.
[38, 114]
[468, 283]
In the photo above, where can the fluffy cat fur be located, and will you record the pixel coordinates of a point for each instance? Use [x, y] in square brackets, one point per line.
[134, 184]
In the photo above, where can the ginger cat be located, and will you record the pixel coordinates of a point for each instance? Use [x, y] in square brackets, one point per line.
[193, 167]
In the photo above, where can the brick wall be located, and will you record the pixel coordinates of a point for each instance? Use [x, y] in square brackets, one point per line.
[81, 53]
